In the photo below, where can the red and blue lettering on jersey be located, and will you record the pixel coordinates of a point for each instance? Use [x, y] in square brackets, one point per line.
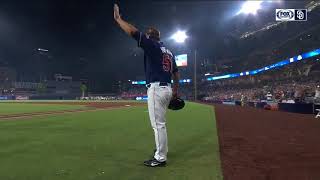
[159, 62]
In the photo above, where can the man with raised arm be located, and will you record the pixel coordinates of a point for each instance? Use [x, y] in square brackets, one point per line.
[160, 68]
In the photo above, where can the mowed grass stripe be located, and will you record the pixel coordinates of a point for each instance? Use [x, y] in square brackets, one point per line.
[109, 144]
[19, 108]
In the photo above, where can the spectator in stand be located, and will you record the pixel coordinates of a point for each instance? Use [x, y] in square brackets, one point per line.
[269, 96]
[317, 95]
[298, 94]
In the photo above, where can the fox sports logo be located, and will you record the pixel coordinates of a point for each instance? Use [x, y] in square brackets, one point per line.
[285, 14]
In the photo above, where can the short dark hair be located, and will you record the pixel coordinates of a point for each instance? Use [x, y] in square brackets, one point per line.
[153, 33]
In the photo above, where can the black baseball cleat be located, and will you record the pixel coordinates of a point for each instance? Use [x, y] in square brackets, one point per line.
[154, 163]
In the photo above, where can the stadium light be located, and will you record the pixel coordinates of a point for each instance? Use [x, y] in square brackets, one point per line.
[179, 36]
[250, 7]
[43, 50]
[277, 1]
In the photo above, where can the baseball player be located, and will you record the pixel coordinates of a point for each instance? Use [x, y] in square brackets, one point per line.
[160, 67]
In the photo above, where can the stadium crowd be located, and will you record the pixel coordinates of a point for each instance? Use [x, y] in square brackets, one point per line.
[296, 83]
[277, 92]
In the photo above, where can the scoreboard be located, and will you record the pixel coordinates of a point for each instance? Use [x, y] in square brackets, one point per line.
[182, 60]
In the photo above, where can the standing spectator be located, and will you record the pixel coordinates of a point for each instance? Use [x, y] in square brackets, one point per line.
[317, 95]
[269, 96]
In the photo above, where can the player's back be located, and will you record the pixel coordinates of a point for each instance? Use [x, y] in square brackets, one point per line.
[159, 61]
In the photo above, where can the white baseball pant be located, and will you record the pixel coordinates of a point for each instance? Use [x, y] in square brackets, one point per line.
[158, 100]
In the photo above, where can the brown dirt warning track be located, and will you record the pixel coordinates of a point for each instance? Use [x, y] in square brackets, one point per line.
[256, 144]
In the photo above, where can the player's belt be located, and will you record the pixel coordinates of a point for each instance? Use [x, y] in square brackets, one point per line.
[160, 84]
[164, 84]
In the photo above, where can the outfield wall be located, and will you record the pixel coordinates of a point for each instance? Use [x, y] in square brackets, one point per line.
[302, 108]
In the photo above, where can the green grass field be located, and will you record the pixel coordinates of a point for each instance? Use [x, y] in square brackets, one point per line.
[107, 144]
[18, 108]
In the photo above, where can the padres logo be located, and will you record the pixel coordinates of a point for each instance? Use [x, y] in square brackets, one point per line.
[300, 15]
